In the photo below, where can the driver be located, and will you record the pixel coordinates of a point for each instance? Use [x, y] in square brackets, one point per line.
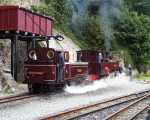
[60, 66]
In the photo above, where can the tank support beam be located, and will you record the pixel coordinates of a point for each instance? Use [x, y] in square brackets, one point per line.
[14, 56]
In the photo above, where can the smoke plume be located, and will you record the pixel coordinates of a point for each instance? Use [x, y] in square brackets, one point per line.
[109, 10]
[79, 9]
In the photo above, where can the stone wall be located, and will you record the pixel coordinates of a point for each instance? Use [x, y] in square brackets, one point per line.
[7, 83]
[5, 56]
[21, 54]
[5, 52]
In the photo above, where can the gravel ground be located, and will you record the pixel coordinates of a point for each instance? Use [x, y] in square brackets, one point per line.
[56, 102]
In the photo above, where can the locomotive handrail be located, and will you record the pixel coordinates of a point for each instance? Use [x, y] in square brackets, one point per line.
[35, 62]
[81, 63]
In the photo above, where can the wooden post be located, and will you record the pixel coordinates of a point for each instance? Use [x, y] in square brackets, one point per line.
[12, 61]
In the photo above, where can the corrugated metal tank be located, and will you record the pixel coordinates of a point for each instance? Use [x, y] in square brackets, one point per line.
[15, 18]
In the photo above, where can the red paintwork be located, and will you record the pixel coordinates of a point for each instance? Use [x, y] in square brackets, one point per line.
[13, 18]
[111, 65]
[40, 73]
[78, 69]
[47, 73]
[95, 69]
[43, 72]
[87, 55]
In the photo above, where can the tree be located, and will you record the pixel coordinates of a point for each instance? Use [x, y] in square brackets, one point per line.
[140, 6]
[55, 8]
[133, 32]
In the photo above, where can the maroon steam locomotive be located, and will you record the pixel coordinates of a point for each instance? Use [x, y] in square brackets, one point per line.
[42, 67]
[100, 63]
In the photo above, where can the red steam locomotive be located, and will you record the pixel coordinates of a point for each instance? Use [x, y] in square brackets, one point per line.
[44, 67]
[47, 66]
[100, 63]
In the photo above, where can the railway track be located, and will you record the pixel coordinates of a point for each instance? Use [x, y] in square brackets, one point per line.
[132, 110]
[80, 112]
[16, 98]
[135, 117]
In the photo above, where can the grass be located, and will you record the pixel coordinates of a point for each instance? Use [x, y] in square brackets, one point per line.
[143, 77]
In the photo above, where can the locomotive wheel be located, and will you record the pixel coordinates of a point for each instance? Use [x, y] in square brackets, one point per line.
[33, 88]
[30, 88]
[59, 86]
[68, 83]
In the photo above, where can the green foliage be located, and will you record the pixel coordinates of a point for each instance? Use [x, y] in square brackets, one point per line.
[141, 6]
[133, 32]
[55, 8]
[88, 30]
[124, 53]
[145, 76]
[4, 1]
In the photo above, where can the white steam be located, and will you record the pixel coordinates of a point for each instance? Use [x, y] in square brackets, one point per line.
[120, 80]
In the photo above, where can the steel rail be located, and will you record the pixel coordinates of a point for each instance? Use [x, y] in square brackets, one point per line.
[83, 110]
[124, 109]
[12, 96]
[16, 98]
[138, 113]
